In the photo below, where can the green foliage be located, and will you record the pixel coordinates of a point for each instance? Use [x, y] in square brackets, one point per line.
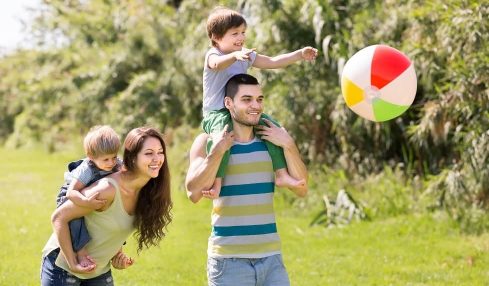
[129, 63]
[380, 196]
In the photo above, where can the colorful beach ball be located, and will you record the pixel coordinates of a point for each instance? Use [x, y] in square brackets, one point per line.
[378, 83]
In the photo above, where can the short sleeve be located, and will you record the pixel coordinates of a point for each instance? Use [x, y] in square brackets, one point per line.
[211, 51]
[252, 59]
[83, 173]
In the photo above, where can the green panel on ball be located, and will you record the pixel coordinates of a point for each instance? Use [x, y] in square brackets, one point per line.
[384, 110]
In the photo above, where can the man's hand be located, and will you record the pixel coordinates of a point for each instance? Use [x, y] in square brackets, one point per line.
[121, 261]
[214, 191]
[210, 194]
[274, 134]
[309, 53]
[243, 55]
[222, 141]
[94, 202]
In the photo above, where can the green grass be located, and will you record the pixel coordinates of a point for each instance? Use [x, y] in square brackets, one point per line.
[404, 250]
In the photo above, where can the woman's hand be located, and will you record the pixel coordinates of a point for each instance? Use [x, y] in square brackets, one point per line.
[121, 261]
[82, 269]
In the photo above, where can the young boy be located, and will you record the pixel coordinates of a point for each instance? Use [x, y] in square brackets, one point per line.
[227, 57]
[101, 146]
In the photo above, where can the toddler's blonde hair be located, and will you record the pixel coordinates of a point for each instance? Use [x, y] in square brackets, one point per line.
[101, 140]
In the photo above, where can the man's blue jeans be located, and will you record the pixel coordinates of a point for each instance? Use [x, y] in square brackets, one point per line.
[266, 271]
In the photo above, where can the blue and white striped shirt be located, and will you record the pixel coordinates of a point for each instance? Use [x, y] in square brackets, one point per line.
[243, 217]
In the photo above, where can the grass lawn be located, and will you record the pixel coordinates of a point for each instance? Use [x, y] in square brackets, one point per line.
[404, 250]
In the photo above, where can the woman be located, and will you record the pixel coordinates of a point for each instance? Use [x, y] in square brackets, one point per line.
[138, 198]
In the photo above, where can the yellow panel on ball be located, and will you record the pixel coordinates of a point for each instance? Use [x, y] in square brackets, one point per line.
[352, 93]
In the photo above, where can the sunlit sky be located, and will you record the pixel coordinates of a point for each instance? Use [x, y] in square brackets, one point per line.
[12, 12]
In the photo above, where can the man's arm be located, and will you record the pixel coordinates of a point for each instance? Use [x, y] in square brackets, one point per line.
[295, 166]
[281, 61]
[203, 168]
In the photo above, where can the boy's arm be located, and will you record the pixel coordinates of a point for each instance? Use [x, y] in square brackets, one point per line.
[295, 166]
[203, 167]
[281, 61]
[73, 194]
[220, 62]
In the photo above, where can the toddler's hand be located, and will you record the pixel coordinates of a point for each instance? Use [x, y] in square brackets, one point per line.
[309, 53]
[94, 202]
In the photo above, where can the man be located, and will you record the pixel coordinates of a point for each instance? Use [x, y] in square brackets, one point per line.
[244, 247]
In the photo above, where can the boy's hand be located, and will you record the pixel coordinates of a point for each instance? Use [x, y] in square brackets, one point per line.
[243, 55]
[309, 53]
[94, 202]
[121, 261]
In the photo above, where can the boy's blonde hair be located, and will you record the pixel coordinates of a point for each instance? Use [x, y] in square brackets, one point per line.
[221, 20]
[101, 140]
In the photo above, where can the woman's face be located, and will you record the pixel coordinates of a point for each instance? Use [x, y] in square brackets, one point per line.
[150, 158]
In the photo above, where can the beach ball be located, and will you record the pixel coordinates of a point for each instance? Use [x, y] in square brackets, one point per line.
[378, 83]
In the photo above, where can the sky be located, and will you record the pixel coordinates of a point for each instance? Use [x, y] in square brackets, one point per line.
[11, 28]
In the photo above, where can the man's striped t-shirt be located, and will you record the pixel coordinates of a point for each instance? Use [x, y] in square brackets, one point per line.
[243, 218]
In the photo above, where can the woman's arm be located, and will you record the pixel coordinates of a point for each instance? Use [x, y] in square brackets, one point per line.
[69, 211]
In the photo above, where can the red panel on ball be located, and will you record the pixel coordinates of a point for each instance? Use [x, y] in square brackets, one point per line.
[387, 64]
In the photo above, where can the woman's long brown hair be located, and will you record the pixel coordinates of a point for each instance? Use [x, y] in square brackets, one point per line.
[153, 208]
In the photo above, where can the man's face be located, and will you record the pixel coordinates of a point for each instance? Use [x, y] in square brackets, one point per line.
[247, 105]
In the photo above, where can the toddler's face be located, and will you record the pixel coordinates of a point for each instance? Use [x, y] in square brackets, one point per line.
[105, 162]
[233, 39]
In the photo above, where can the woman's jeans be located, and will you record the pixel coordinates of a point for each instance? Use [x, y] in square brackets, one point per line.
[52, 275]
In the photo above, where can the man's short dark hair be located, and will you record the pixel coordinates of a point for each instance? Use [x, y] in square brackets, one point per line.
[234, 82]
